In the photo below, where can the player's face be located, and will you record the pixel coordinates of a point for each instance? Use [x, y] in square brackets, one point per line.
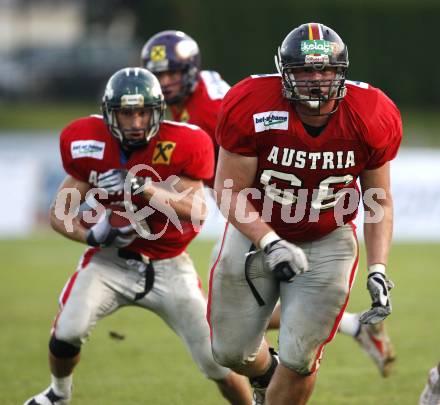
[171, 83]
[134, 122]
[315, 83]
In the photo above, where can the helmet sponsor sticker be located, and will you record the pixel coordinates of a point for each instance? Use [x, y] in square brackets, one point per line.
[132, 100]
[162, 152]
[158, 52]
[90, 149]
[158, 65]
[317, 59]
[186, 49]
[271, 120]
[317, 46]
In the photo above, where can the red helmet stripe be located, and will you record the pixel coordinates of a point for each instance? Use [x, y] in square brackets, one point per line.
[315, 31]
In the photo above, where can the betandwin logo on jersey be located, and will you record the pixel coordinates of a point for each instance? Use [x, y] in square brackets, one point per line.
[271, 120]
[162, 152]
[90, 149]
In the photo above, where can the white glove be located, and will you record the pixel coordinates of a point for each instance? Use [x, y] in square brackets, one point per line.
[113, 181]
[103, 234]
[285, 259]
[379, 287]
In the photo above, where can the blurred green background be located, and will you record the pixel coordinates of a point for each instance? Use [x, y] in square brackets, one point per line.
[46, 82]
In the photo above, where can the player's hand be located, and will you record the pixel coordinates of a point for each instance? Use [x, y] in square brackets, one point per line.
[113, 181]
[285, 260]
[379, 287]
[103, 234]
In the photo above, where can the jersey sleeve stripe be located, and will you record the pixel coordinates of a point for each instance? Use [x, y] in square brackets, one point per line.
[183, 124]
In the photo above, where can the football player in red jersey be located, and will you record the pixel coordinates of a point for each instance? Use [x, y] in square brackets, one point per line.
[291, 149]
[194, 96]
[132, 157]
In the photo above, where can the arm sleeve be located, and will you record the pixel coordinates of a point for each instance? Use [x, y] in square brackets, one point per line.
[200, 162]
[384, 133]
[71, 166]
[234, 130]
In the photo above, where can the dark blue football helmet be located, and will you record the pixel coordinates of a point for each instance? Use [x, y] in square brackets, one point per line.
[173, 51]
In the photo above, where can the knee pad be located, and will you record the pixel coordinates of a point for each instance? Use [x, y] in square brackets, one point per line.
[61, 349]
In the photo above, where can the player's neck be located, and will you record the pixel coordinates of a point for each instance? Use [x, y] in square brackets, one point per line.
[306, 114]
[314, 120]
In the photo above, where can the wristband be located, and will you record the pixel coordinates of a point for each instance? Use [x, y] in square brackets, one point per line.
[377, 268]
[268, 239]
[90, 239]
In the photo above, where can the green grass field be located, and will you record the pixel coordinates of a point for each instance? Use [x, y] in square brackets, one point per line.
[151, 366]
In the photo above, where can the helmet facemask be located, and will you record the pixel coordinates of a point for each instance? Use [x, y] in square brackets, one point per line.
[171, 51]
[187, 84]
[313, 47]
[149, 131]
[312, 93]
[133, 89]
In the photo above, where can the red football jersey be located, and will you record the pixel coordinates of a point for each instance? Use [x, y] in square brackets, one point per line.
[201, 107]
[88, 149]
[298, 175]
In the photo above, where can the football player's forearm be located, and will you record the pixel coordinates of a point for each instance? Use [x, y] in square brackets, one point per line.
[64, 207]
[255, 229]
[378, 235]
[192, 207]
[73, 230]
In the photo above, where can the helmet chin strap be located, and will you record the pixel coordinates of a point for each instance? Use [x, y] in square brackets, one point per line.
[316, 100]
[131, 144]
[292, 93]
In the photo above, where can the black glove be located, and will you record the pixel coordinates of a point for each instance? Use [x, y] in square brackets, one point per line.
[379, 287]
[285, 259]
[103, 234]
[113, 181]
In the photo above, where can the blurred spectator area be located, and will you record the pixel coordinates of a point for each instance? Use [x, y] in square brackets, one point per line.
[76, 71]
[51, 50]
